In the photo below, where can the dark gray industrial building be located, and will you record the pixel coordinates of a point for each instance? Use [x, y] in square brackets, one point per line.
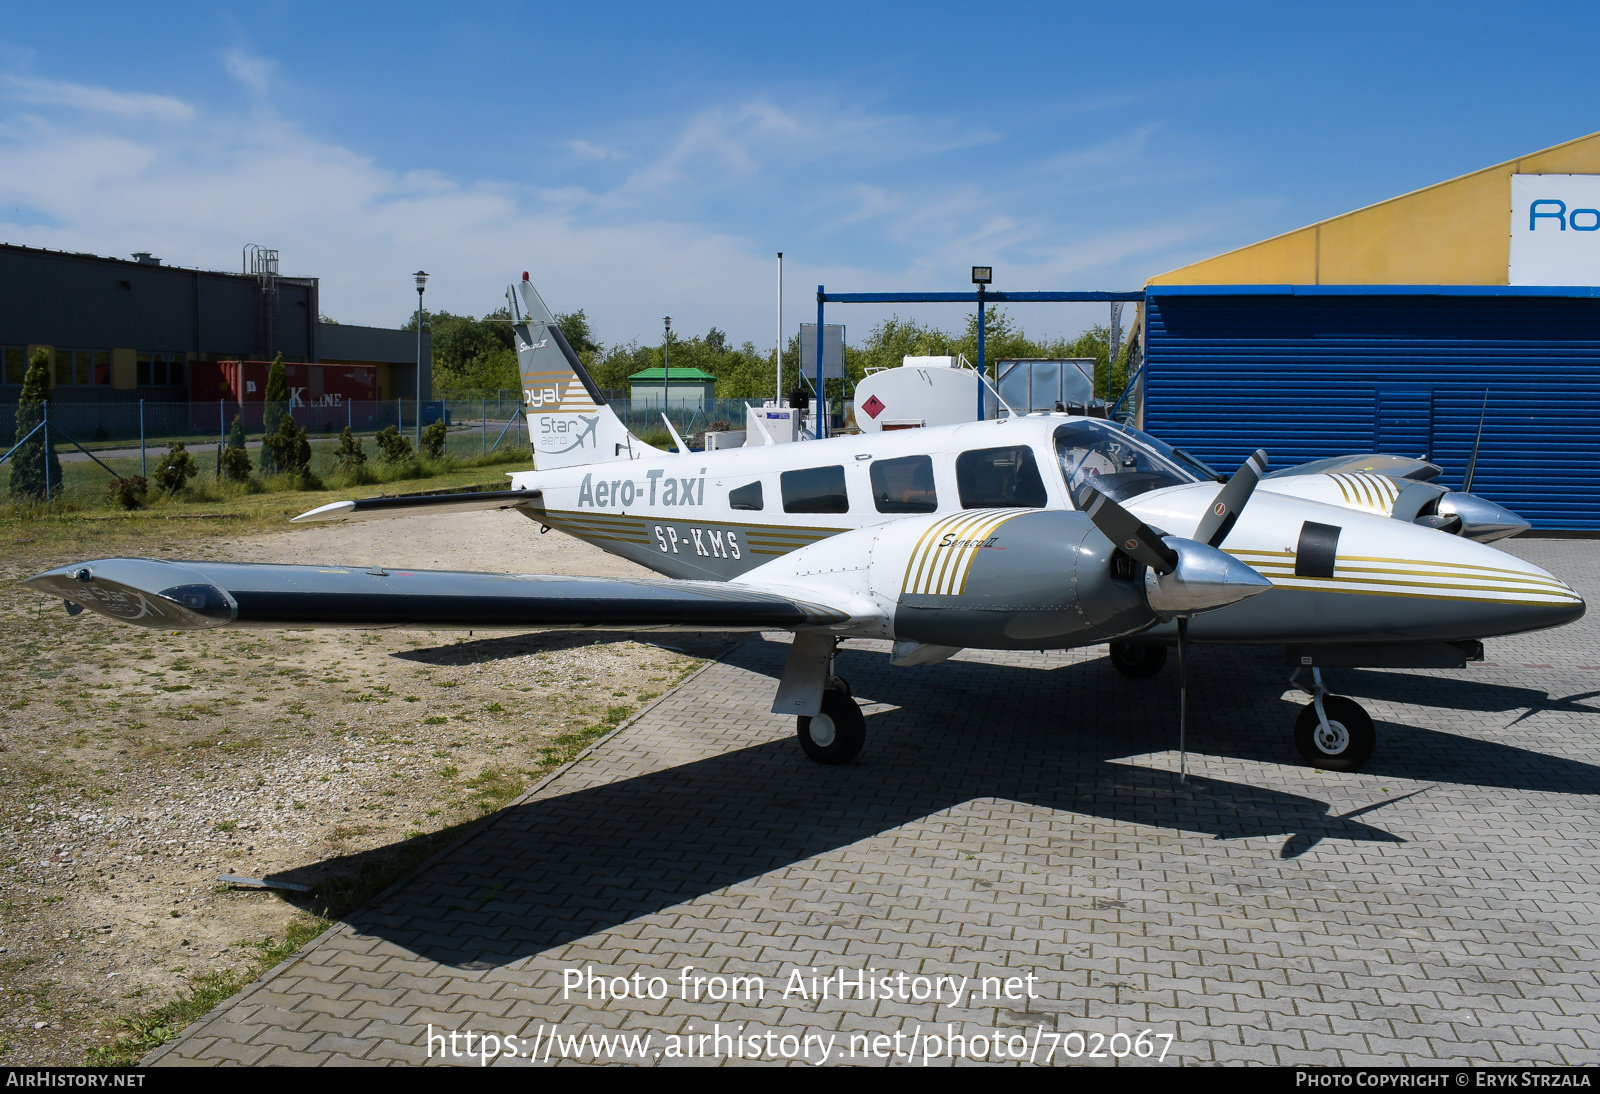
[128, 329]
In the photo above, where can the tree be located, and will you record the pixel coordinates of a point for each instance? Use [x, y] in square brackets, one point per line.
[575, 327]
[33, 476]
[235, 459]
[274, 411]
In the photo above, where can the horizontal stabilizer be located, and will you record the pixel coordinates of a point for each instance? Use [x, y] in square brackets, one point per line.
[205, 595]
[407, 505]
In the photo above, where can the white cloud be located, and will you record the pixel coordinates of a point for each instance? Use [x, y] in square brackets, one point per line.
[98, 100]
[690, 231]
[253, 72]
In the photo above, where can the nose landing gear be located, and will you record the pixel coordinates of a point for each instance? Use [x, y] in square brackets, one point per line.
[1332, 732]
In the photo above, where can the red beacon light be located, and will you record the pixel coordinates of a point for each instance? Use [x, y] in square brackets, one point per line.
[524, 275]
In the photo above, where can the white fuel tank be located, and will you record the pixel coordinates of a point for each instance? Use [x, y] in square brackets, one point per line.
[920, 394]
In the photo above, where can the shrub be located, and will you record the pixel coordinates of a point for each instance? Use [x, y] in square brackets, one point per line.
[396, 447]
[291, 453]
[129, 493]
[175, 470]
[433, 441]
[351, 455]
[235, 460]
[33, 477]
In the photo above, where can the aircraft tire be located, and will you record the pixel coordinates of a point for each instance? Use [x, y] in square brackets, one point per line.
[835, 735]
[1137, 661]
[1354, 736]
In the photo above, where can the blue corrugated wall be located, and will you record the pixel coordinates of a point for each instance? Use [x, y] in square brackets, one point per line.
[1307, 376]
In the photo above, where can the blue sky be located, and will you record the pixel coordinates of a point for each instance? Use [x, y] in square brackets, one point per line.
[642, 160]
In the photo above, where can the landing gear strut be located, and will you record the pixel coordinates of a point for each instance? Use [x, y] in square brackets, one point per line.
[1332, 732]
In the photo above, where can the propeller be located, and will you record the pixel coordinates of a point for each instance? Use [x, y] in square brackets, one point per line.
[1230, 500]
[1136, 538]
[1194, 576]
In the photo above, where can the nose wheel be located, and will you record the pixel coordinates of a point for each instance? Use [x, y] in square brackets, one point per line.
[1332, 732]
[1137, 661]
[835, 734]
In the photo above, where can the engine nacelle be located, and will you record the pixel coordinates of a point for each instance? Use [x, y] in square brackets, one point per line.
[1004, 579]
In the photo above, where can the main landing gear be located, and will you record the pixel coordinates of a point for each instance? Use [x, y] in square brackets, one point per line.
[835, 734]
[1331, 732]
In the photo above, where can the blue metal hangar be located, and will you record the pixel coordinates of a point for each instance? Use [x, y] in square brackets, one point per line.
[1397, 328]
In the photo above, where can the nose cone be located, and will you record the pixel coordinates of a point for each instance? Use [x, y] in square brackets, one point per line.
[1481, 519]
[1205, 579]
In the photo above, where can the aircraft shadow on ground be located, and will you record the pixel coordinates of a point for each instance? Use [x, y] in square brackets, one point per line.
[551, 871]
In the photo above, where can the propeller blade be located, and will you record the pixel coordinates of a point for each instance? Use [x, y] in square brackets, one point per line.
[1472, 461]
[1230, 501]
[1127, 531]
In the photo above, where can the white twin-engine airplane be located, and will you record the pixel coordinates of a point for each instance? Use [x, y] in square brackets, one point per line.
[1044, 531]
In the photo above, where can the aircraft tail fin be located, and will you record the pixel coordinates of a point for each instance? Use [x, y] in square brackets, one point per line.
[568, 420]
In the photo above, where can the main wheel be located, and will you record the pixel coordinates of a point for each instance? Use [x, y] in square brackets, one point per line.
[835, 734]
[1137, 661]
[1345, 745]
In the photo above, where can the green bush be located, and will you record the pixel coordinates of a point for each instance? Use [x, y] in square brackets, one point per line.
[129, 493]
[175, 470]
[395, 446]
[33, 477]
[291, 453]
[433, 441]
[351, 455]
[235, 460]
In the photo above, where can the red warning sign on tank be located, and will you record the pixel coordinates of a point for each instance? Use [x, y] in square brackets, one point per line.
[873, 406]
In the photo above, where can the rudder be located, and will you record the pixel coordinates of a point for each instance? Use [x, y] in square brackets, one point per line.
[568, 420]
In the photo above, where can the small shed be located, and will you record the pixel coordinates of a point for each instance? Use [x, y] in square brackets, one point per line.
[686, 388]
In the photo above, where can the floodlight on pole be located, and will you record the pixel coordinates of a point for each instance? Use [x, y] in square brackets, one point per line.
[666, 363]
[982, 276]
[422, 281]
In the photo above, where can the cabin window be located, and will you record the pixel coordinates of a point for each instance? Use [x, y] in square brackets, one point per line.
[904, 485]
[815, 490]
[745, 497]
[1000, 478]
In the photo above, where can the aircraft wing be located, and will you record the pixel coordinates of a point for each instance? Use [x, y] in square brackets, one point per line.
[407, 505]
[1377, 463]
[204, 595]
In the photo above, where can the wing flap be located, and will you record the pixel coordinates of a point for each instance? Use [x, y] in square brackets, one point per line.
[204, 595]
[407, 505]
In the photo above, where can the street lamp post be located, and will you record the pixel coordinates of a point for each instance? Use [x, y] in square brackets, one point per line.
[666, 364]
[422, 281]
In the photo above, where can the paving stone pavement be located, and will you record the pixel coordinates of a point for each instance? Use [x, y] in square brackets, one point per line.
[1015, 815]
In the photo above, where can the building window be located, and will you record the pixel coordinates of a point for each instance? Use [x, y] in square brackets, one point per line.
[15, 367]
[102, 367]
[160, 369]
[83, 367]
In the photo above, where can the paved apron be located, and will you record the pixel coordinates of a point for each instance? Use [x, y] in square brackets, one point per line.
[1016, 815]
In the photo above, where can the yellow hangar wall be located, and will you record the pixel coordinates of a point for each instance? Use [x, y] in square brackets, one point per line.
[1453, 233]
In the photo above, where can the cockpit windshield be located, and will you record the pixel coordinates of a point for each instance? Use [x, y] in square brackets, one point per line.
[1180, 456]
[1113, 462]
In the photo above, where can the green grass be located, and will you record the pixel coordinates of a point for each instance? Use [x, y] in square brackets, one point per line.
[150, 1029]
[81, 524]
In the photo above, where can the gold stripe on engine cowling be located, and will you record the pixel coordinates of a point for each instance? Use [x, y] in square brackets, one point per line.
[1403, 567]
